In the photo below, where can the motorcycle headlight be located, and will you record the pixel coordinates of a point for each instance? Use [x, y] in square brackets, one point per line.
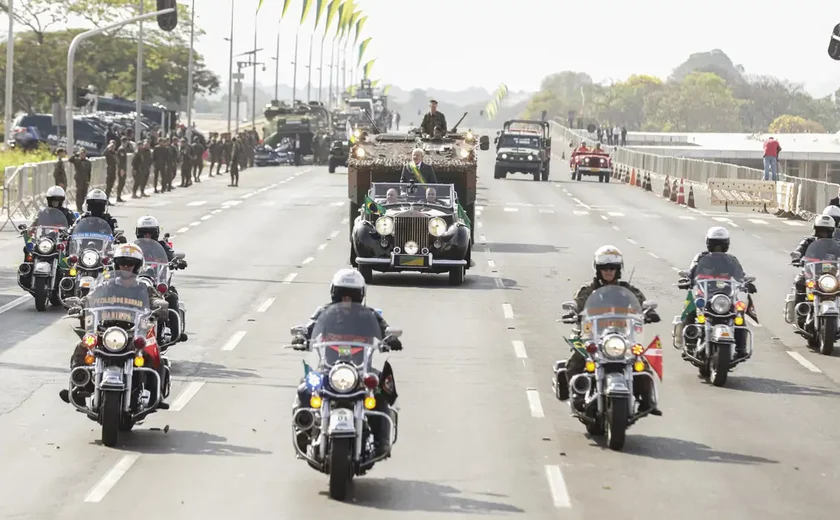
[90, 258]
[615, 347]
[114, 339]
[826, 282]
[384, 225]
[45, 246]
[343, 378]
[721, 304]
[437, 227]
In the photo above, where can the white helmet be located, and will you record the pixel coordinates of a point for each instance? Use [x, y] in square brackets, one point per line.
[824, 226]
[96, 201]
[58, 193]
[833, 212]
[148, 225]
[96, 194]
[347, 282]
[717, 237]
[129, 254]
[606, 257]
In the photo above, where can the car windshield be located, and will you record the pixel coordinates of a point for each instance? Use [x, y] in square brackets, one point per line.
[612, 309]
[117, 298]
[346, 332]
[155, 261]
[821, 257]
[717, 273]
[404, 193]
[90, 233]
[519, 141]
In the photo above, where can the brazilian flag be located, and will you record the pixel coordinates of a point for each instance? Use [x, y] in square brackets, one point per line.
[577, 345]
[688, 305]
[462, 215]
[372, 208]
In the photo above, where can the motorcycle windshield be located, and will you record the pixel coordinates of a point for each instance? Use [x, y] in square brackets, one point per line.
[117, 299]
[346, 332]
[821, 257]
[155, 261]
[611, 309]
[90, 233]
[51, 218]
[716, 273]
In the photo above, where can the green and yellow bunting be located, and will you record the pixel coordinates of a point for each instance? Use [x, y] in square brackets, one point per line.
[372, 208]
[331, 13]
[463, 217]
[374, 83]
[259, 6]
[362, 48]
[386, 89]
[320, 7]
[307, 5]
[495, 102]
[368, 66]
[286, 4]
[578, 346]
[351, 24]
[359, 24]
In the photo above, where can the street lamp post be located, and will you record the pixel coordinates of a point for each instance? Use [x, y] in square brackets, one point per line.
[252, 62]
[277, 70]
[190, 67]
[294, 75]
[254, 86]
[309, 80]
[10, 71]
[138, 102]
[230, 64]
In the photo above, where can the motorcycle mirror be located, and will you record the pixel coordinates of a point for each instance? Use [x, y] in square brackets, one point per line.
[180, 256]
[793, 254]
[683, 274]
[649, 305]
[569, 306]
[393, 333]
[73, 301]
[749, 279]
[166, 236]
[21, 226]
[298, 331]
[570, 320]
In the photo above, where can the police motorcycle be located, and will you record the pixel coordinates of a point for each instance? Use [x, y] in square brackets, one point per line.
[610, 340]
[721, 300]
[130, 376]
[90, 242]
[335, 431]
[816, 318]
[45, 265]
[157, 273]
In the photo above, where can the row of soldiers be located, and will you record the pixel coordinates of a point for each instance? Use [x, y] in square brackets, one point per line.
[160, 158]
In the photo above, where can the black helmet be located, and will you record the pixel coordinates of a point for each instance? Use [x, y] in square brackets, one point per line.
[717, 240]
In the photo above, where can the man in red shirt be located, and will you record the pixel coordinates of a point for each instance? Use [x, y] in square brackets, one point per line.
[771, 159]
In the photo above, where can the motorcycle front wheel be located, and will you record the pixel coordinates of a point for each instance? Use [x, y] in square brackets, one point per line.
[617, 417]
[719, 362]
[41, 295]
[340, 467]
[828, 336]
[109, 416]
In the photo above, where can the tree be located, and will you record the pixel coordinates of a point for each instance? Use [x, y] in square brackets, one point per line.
[715, 61]
[702, 102]
[788, 124]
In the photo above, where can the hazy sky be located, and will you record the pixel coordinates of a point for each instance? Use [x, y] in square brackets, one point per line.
[454, 44]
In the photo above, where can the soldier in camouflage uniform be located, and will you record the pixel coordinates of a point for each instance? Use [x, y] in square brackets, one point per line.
[433, 119]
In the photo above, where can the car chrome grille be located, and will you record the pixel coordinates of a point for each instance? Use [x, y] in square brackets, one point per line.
[411, 228]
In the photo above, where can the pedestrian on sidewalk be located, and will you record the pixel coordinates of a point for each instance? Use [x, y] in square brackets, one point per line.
[59, 172]
[771, 159]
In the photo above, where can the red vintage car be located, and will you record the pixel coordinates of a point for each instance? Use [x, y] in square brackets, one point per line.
[591, 162]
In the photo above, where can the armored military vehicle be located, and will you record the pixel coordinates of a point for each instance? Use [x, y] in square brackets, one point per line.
[308, 122]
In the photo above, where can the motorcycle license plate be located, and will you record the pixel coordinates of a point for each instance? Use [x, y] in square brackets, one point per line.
[341, 419]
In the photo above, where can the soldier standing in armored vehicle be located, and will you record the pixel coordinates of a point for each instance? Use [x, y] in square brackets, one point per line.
[433, 119]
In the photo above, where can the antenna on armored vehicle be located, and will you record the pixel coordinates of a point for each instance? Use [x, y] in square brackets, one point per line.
[455, 128]
[370, 119]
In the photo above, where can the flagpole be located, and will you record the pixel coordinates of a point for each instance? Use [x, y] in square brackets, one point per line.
[294, 75]
[332, 65]
[321, 72]
[344, 68]
[309, 81]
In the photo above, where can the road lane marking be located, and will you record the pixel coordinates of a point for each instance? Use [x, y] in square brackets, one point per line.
[580, 213]
[508, 310]
[289, 278]
[14, 303]
[616, 228]
[186, 394]
[804, 362]
[500, 283]
[605, 217]
[757, 221]
[231, 203]
[197, 203]
[482, 238]
[345, 220]
[511, 209]
[183, 230]
[322, 247]
[234, 340]
[675, 269]
[307, 260]
[334, 234]
[632, 241]
[581, 204]
[206, 217]
[547, 211]
[491, 264]
[687, 217]
[98, 492]
[193, 224]
[216, 211]
[615, 214]
[339, 203]
[654, 255]
[793, 223]
[558, 487]
[519, 349]
[753, 322]
[265, 305]
[479, 224]
[534, 403]
[248, 195]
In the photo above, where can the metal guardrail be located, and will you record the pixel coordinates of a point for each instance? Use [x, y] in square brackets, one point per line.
[809, 197]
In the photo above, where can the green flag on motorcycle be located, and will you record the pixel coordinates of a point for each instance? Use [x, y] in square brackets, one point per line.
[688, 306]
[577, 345]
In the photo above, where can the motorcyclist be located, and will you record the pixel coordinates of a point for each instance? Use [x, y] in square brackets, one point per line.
[55, 199]
[824, 227]
[607, 264]
[834, 212]
[127, 258]
[97, 202]
[148, 227]
[348, 285]
[717, 241]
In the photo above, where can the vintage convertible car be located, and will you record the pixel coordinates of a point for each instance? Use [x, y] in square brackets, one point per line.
[591, 163]
[412, 229]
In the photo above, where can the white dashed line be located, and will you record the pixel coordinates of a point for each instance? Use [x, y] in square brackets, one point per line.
[183, 230]
[804, 362]
[534, 404]
[757, 221]
[197, 203]
[334, 234]
[186, 394]
[510, 210]
[322, 247]
[206, 217]
[615, 214]
[581, 204]
[580, 213]
[98, 492]
[307, 260]
[482, 238]
[519, 349]
[753, 322]
[675, 269]
[547, 211]
[793, 223]
[616, 228]
[193, 224]
[265, 305]
[654, 255]
[248, 195]
[687, 217]
[14, 303]
[508, 310]
[491, 264]
[289, 278]
[339, 203]
[234, 340]
[479, 224]
[558, 487]
[216, 211]
[231, 203]
[632, 241]
[605, 217]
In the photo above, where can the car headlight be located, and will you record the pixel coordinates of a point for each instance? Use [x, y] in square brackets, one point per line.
[343, 378]
[360, 152]
[470, 136]
[586, 161]
[530, 157]
[504, 156]
[826, 282]
[114, 339]
[721, 304]
[45, 246]
[411, 247]
[464, 153]
[90, 258]
[357, 132]
[437, 227]
[615, 347]
[384, 225]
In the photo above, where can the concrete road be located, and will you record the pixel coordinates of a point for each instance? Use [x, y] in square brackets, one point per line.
[481, 433]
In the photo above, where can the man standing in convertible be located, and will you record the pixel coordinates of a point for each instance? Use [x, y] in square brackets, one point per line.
[418, 171]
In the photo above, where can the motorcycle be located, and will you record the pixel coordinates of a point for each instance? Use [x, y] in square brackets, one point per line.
[609, 340]
[718, 296]
[157, 272]
[123, 361]
[816, 318]
[44, 266]
[90, 242]
[348, 398]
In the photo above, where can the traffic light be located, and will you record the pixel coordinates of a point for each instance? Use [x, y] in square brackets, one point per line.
[168, 21]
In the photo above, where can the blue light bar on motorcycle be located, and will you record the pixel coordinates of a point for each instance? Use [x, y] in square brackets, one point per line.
[699, 303]
[314, 380]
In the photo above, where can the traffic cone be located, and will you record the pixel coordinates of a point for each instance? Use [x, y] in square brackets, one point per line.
[674, 190]
[691, 197]
[648, 186]
[633, 177]
[639, 180]
[681, 195]
[666, 191]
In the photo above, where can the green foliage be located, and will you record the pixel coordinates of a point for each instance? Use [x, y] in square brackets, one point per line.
[788, 124]
[706, 93]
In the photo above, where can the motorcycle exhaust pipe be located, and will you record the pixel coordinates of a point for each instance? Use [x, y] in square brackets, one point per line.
[25, 269]
[803, 309]
[67, 284]
[581, 384]
[692, 332]
[304, 420]
[80, 376]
